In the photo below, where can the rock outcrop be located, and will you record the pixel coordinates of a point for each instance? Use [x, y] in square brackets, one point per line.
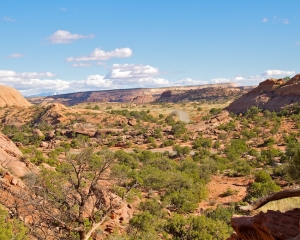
[10, 157]
[272, 94]
[267, 226]
[11, 97]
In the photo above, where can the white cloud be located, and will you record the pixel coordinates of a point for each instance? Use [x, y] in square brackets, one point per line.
[237, 79]
[265, 20]
[285, 21]
[99, 54]
[270, 73]
[189, 82]
[82, 64]
[4, 74]
[63, 37]
[34, 83]
[98, 80]
[121, 71]
[8, 19]
[221, 80]
[16, 55]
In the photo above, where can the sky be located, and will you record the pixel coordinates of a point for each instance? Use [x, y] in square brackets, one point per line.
[62, 46]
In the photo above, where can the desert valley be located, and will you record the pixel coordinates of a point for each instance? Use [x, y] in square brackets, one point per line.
[167, 163]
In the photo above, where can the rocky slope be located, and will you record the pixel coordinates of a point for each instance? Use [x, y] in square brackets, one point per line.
[272, 94]
[11, 97]
[10, 157]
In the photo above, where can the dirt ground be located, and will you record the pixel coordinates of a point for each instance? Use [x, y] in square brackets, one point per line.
[219, 185]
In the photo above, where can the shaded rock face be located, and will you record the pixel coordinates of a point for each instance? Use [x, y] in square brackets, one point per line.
[144, 99]
[272, 94]
[267, 226]
[11, 97]
[10, 157]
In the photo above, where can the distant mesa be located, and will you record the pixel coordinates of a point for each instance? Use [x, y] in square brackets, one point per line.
[11, 97]
[271, 94]
[149, 95]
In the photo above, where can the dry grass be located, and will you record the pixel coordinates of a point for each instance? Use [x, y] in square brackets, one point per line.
[282, 205]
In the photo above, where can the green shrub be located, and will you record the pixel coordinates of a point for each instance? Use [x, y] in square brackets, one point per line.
[11, 228]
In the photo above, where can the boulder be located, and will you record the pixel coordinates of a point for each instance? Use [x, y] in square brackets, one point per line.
[132, 122]
[37, 132]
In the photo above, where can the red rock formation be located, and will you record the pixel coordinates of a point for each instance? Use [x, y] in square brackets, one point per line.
[271, 94]
[267, 226]
[10, 157]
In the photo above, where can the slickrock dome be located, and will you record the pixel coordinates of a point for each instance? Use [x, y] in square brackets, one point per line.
[11, 97]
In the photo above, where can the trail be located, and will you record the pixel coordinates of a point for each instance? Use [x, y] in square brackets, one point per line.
[183, 116]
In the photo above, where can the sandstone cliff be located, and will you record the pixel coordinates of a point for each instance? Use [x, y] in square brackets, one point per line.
[11, 97]
[272, 94]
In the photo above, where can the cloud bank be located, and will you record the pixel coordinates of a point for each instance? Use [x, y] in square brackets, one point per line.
[120, 76]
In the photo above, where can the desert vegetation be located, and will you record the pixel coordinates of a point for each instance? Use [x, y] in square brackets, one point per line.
[104, 170]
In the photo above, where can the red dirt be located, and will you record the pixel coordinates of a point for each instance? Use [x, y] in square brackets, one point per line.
[219, 185]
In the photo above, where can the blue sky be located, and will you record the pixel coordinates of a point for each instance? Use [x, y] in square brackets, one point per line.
[69, 46]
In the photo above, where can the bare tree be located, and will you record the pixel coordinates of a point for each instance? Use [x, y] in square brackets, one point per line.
[68, 203]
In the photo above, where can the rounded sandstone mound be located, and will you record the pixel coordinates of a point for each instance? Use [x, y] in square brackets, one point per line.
[11, 97]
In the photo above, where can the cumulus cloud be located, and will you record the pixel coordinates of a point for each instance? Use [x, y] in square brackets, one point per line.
[265, 20]
[8, 19]
[63, 37]
[119, 71]
[16, 55]
[270, 73]
[98, 81]
[99, 55]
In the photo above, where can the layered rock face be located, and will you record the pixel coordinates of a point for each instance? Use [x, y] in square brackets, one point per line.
[272, 94]
[11, 97]
[267, 226]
